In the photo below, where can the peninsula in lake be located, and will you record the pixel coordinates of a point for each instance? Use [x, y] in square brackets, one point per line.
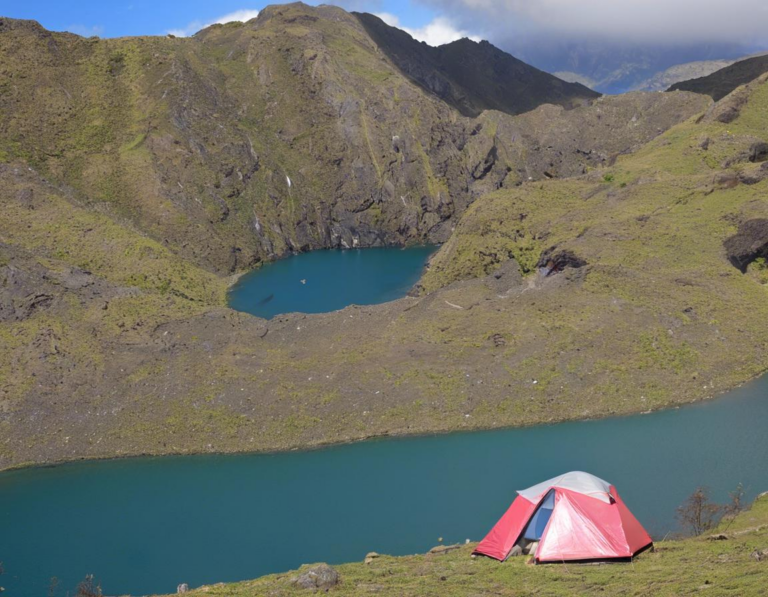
[600, 255]
[309, 228]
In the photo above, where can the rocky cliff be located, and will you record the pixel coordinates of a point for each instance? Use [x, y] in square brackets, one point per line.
[294, 131]
[473, 77]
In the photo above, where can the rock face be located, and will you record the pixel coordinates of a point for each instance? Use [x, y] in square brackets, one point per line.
[321, 577]
[473, 77]
[193, 142]
[748, 244]
[553, 261]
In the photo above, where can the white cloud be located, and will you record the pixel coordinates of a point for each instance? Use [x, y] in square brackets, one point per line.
[195, 26]
[436, 33]
[678, 21]
[239, 15]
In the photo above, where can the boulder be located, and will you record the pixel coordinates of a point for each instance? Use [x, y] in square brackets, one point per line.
[753, 175]
[182, 588]
[553, 261]
[531, 548]
[748, 244]
[758, 152]
[441, 549]
[726, 180]
[498, 340]
[370, 557]
[321, 577]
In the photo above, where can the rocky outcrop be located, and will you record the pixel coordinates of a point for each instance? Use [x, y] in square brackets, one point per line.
[321, 577]
[748, 244]
[206, 155]
[553, 261]
[471, 76]
[29, 289]
[443, 549]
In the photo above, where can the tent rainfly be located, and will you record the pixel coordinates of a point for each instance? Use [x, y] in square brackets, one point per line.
[573, 517]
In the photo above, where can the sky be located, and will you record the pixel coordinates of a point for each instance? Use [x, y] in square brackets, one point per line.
[435, 21]
[118, 18]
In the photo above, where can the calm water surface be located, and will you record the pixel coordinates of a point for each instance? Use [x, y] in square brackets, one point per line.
[145, 525]
[322, 281]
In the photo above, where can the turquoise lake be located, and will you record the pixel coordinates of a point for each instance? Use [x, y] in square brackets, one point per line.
[328, 280]
[144, 525]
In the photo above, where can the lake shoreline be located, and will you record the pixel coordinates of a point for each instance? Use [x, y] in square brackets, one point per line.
[177, 509]
[676, 566]
[321, 445]
[330, 279]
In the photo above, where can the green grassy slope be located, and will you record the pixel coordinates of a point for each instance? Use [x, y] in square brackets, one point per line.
[193, 142]
[133, 352]
[657, 316]
[675, 567]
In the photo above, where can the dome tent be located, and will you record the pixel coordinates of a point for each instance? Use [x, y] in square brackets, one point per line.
[573, 517]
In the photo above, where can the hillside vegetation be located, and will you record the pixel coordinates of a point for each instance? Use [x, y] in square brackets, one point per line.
[646, 210]
[250, 140]
[733, 566]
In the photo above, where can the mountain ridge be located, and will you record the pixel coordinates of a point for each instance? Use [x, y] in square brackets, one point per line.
[473, 76]
[724, 81]
[193, 141]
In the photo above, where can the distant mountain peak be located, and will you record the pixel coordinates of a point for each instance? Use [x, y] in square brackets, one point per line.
[473, 76]
[722, 82]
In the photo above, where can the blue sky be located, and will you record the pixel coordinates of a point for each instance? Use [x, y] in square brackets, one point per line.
[506, 23]
[142, 17]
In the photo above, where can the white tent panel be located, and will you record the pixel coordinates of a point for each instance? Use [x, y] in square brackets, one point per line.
[577, 481]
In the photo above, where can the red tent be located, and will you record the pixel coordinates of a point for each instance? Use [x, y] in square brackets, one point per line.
[576, 516]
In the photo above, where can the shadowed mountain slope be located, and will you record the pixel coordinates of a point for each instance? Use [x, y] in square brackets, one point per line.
[722, 82]
[663, 80]
[473, 77]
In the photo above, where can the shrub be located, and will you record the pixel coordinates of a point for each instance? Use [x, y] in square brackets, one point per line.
[698, 513]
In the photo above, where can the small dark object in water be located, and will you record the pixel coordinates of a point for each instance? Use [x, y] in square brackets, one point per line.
[266, 300]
